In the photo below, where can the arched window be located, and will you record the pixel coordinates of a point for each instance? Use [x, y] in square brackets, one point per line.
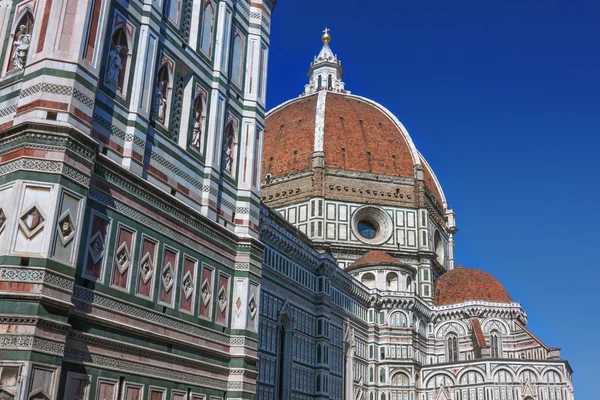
[382, 396]
[392, 281]
[471, 377]
[329, 82]
[400, 379]
[552, 377]
[528, 376]
[284, 359]
[438, 247]
[397, 319]
[116, 66]
[371, 373]
[495, 344]
[438, 380]
[368, 280]
[21, 41]
[237, 63]
[319, 355]
[208, 22]
[452, 348]
[503, 376]
[174, 9]
[371, 396]
[319, 82]
[229, 148]
[382, 375]
[318, 383]
[409, 284]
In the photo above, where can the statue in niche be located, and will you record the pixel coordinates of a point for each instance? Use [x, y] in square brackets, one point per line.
[21, 45]
[160, 101]
[228, 159]
[196, 130]
[228, 149]
[114, 66]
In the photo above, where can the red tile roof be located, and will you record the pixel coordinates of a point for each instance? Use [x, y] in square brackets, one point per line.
[289, 137]
[479, 336]
[375, 257]
[360, 137]
[430, 182]
[466, 284]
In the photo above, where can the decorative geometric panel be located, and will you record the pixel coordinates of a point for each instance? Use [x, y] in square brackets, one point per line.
[146, 268]
[188, 285]
[206, 293]
[2, 220]
[96, 247]
[65, 228]
[222, 296]
[167, 277]
[252, 308]
[123, 258]
[177, 106]
[32, 221]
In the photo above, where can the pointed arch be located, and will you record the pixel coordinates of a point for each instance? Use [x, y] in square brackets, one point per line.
[237, 63]
[452, 350]
[496, 344]
[400, 379]
[284, 354]
[208, 28]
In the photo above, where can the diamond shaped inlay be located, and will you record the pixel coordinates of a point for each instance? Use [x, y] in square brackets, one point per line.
[168, 277]
[146, 268]
[2, 220]
[96, 247]
[66, 228]
[238, 303]
[222, 299]
[122, 258]
[188, 285]
[252, 307]
[206, 293]
[32, 221]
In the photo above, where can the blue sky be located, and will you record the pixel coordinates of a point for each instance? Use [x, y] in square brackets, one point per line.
[503, 99]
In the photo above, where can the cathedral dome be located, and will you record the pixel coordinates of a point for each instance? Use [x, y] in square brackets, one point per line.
[466, 284]
[328, 127]
[354, 134]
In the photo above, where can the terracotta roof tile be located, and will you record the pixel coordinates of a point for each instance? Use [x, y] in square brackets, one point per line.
[360, 137]
[374, 257]
[466, 284]
[430, 182]
[289, 137]
[479, 336]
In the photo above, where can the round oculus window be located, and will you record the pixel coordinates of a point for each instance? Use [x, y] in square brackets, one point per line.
[367, 229]
[372, 225]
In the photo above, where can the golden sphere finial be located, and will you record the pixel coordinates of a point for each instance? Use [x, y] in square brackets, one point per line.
[326, 37]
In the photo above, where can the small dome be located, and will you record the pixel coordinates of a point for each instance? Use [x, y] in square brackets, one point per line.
[374, 257]
[466, 284]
